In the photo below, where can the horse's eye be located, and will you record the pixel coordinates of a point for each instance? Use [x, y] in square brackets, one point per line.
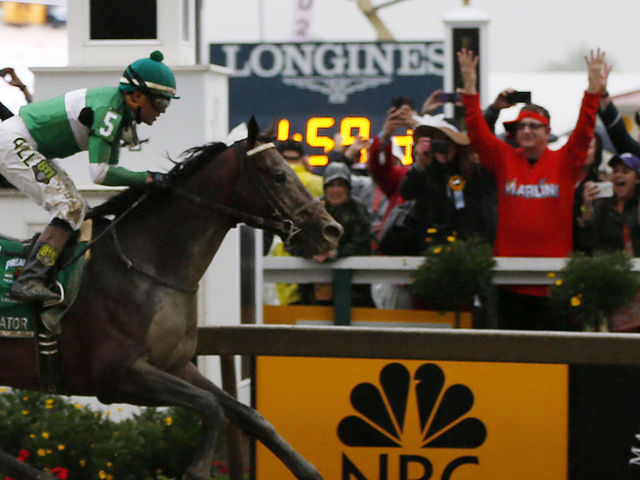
[280, 177]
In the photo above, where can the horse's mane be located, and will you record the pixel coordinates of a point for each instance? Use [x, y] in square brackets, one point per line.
[193, 160]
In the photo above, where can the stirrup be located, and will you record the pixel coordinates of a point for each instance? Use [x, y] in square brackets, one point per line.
[51, 303]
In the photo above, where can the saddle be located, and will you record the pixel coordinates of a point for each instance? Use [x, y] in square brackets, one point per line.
[20, 320]
[28, 320]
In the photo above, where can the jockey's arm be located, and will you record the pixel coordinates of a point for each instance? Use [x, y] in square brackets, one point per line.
[103, 169]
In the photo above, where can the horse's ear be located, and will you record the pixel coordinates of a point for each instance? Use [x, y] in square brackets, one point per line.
[268, 133]
[252, 132]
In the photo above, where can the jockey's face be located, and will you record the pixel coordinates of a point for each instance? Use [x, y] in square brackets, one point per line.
[148, 113]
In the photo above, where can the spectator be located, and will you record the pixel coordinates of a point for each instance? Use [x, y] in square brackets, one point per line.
[590, 173]
[362, 186]
[356, 240]
[93, 119]
[293, 152]
[536, 188]
[383, 165]
[614, 123]
[492, 112]
[612, 223]
[10, 76]
[454, 194]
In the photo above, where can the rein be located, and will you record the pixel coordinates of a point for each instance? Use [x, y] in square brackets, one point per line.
[285, 225]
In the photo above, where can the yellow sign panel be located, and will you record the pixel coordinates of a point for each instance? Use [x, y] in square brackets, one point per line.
[373, 419]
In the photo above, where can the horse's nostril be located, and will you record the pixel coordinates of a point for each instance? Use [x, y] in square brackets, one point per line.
[332, 231]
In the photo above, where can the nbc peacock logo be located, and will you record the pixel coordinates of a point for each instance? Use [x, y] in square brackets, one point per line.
[392, 414]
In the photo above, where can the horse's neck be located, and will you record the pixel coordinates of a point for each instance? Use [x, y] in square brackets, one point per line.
[176, 239]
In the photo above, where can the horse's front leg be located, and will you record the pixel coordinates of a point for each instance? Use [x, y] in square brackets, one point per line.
[146, 385]
[255, 425]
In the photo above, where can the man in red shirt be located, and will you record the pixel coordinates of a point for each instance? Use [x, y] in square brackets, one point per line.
[535, 187]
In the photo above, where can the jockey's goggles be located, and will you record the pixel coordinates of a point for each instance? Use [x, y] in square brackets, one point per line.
[159, 102]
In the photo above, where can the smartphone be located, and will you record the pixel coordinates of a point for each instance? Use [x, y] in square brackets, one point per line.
[605, 189]
[448, 97]
[397, 102]
[519, 97]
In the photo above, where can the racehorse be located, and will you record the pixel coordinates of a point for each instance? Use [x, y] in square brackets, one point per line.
[131, 334]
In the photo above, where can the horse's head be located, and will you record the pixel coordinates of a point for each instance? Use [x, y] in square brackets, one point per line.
[274, 191]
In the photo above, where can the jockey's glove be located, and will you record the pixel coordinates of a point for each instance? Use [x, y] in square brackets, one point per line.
[159, 180]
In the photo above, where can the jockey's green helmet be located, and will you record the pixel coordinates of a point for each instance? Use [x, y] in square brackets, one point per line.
[149, 76]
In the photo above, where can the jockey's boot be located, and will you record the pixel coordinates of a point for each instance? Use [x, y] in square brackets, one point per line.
[32, 282]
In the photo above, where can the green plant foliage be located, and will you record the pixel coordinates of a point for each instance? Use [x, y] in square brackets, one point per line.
[153, 444]
[593, 287]
[453, 274]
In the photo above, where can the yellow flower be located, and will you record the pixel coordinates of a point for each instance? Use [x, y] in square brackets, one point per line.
[168, 420]
[77, 406]
[109, 464]
[109, 476]
[41, 452]
[559, 282]
[45, 435]
[49, 450]
[107, 413]
[25, 412]
[432, 230]
[83, 462]
[451, 239]
[25, 399]
[61, 447]
[102, 474]
[119, 409]
[576, 301]
[3, 389]
[32, 435]
[437, 250]
[551, 275]
[48, 401]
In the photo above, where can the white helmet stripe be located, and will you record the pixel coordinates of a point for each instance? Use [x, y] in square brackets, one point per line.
[154, 86]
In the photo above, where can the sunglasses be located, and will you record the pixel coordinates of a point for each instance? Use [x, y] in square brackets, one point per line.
[531, 126]
[159, 103]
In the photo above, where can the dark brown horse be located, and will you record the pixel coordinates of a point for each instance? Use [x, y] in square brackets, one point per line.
[131, 334]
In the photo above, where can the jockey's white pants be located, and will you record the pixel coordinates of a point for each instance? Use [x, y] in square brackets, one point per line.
[39, 178]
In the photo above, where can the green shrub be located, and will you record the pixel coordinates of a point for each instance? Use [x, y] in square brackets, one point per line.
[155, 443]
[453, 274]
[591, 288]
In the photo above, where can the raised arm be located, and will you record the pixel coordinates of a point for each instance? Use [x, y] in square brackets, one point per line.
[468, 68]
[597, 71]
[613, 122]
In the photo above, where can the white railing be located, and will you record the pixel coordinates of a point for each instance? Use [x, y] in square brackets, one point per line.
[374, 269]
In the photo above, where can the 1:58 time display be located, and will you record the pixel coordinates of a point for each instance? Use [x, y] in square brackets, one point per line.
[349, 129]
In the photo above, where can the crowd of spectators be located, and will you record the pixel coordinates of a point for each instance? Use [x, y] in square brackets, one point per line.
[511, 190]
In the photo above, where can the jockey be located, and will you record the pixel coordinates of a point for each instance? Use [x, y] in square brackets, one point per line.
[93, 119]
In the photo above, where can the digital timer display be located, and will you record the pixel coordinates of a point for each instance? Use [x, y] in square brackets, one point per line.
[317, 134]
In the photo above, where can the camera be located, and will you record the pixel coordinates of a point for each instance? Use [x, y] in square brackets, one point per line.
[439, 145]
[398, 102]
[448, 97]
[518, 97]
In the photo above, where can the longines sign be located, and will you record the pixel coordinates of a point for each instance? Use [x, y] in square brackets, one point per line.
[298, 80]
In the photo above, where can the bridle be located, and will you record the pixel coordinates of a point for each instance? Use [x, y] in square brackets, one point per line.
[284, 223]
